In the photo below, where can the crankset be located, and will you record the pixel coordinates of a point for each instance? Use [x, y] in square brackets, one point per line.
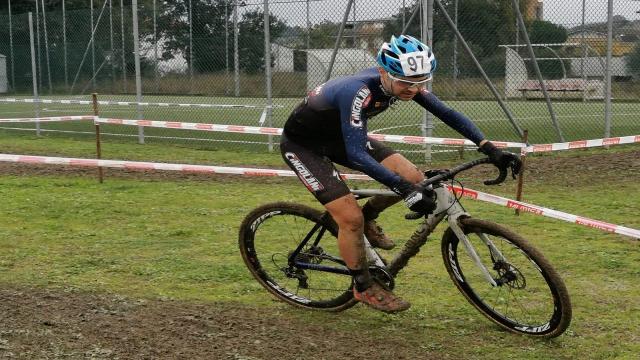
[382, 276]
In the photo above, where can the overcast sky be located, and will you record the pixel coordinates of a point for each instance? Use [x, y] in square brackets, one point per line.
[565, 12]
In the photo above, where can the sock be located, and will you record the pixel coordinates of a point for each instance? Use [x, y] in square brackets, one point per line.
[361, 278]
[369, 212]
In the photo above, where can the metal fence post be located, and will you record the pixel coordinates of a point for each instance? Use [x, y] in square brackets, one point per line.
[267, 67]
[13, 76]
[46, 46]
[38, 45]
[487, 81]
[93, 50]
[155, 47]
[124, 61]
[534, 60]
[34, 73]
[136, 54]
[455, 51]
[64, 45]
[190, 48]
[428, 124]
[111, 55]
[607, 95]
[338, 40]
[236, 57]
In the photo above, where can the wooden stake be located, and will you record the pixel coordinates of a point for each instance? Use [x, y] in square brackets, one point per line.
[523, 158]
[97, 125]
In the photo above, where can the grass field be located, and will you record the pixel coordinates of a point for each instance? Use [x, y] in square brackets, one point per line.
[154, 237]
[577, 120]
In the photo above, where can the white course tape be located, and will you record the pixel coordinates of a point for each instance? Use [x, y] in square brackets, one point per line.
[278, 131]
[134, 103]
[582, 144]
[194, 126]
[538, 210]
[49, 119]
[439, 141]
[138, 165]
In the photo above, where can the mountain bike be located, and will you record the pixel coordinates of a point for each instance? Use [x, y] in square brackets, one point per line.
[291, 249]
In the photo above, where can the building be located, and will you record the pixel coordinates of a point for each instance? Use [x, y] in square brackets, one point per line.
[533, 10]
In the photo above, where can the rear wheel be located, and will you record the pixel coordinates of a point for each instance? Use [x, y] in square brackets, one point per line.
[530, 298]
[271, 233]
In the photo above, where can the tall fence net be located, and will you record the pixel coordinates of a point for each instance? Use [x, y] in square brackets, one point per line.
[213, 52]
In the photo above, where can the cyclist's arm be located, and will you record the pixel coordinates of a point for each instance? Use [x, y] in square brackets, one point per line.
[353, 122]
[454, 119]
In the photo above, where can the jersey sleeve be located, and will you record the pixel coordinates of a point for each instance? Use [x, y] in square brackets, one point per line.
[351, 102]
[455, 120]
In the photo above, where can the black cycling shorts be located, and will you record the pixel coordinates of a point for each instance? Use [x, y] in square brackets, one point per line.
[314, 165]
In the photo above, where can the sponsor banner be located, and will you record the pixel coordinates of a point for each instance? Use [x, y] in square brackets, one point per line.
[611, 141]
[464, 192]
[454, 141]
[522, 207]
[578, 144]
[542, 148]
[596, 224]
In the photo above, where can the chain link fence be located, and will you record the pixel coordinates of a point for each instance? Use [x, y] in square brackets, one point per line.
[213, 52]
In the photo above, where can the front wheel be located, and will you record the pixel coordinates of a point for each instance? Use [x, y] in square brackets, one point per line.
[529, 297]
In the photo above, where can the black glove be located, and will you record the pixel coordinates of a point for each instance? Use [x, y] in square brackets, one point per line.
[501, 159]
[416, 198]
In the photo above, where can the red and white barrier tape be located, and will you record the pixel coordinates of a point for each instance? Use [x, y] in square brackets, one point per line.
[580, 144]
[538, 210]
[194, 126]
[138, 165]
[134, 103]
[278, 131]
[438, 141]
[49, 119]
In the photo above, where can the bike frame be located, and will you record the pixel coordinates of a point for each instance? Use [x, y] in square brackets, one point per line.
[447, 205]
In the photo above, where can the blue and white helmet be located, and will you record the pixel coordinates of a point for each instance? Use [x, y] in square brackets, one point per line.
[407, 56]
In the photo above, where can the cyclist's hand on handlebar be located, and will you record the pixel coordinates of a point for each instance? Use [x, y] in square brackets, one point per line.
[503, 160]
[417, 198]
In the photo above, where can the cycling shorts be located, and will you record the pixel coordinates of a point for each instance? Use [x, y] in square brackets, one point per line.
[314, 165]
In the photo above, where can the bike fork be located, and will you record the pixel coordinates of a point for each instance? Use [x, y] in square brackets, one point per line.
[471, 251]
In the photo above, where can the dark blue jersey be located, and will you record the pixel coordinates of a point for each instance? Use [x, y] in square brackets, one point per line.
[335, 114]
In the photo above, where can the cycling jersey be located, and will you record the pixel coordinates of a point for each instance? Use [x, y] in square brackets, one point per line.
[335, 114]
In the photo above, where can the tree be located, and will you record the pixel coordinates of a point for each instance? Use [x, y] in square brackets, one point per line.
[633, 61]
[251, 39]
[211, 19]
[545, 32]
[485, 24]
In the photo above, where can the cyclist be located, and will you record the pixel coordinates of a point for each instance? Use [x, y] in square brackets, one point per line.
[330, 126]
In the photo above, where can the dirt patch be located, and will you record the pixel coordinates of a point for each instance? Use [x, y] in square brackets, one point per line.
[46, 323]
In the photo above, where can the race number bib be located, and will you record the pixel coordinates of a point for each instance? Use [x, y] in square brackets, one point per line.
[415, 63]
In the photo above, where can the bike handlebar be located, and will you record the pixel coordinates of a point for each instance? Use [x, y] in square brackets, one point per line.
[448, 174]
